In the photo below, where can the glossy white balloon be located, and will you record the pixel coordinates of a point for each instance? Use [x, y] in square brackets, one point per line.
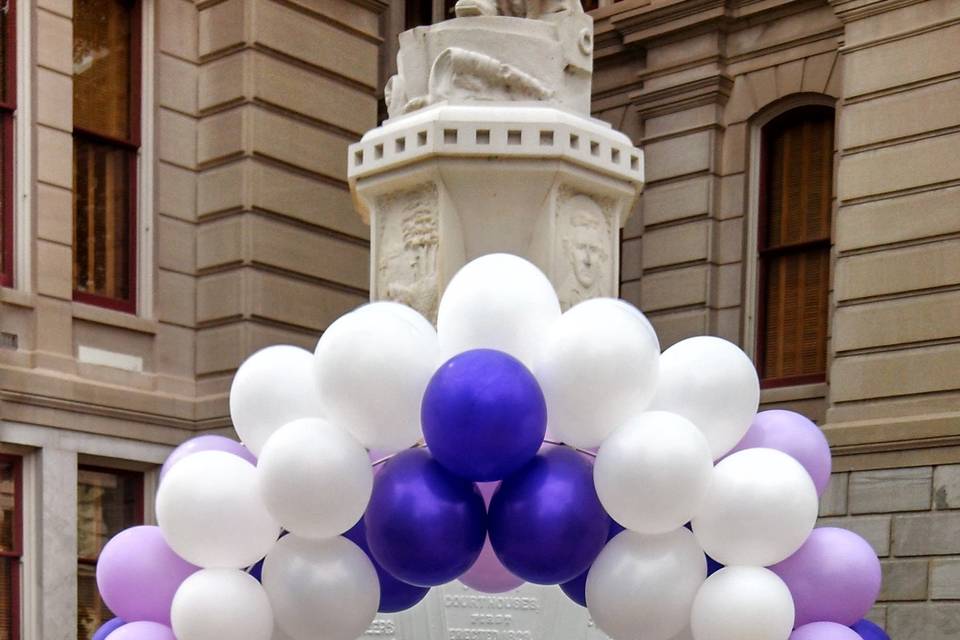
[598, 367]
[213, 604]
[315, 478]
[271, 388]
[712, 383]
[373, 366]
[742, 603]
[652, 473]
[211, 513]
[760, 508]
[409, 314]
[643, 586]
[321, 588]
[498, 301]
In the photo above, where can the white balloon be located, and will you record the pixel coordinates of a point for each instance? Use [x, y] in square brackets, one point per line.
[742, 603]
[373, 366]
[211, 513]
[213, 604]
[315, 478]
[498, 301]
[409, 314]
[598, 367]
[643, 586]
[652, 473]
[272, 387]
[760, 508]
[325, 588]
[712, 383]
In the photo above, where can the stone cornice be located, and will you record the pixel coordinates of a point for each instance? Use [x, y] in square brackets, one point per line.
[852, 10]
[714, 89]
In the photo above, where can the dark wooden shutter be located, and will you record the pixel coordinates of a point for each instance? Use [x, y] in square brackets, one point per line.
[795, 204]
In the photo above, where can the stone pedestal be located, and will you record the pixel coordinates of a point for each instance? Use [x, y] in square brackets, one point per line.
[490, 148]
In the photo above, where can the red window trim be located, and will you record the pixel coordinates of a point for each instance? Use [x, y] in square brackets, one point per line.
[132, 145]
[17, 552]
[764, 253]
[7, 109]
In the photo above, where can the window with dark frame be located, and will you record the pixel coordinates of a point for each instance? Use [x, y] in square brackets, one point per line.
[796, 192]
[11, 545]
[8, 105]
[106, 141]
[108, 501]
[420, 12]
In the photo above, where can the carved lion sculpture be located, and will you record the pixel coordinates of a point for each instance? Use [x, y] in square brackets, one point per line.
[535, 9]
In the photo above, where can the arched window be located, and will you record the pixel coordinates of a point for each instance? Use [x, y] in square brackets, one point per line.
[795, 201]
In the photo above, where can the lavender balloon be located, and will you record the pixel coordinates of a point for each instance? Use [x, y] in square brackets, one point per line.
[869, 631]
[206, 443]
[824, 631]
[794, 435]
[138, 575]
[488, 574]
[107, 628]
[834, 577]
[142, 631]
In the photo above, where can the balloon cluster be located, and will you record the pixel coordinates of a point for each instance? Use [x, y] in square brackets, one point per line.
[513, 443]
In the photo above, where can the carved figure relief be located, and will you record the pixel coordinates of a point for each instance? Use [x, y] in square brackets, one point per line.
[584, 234]
[407, 253]
[535, 9]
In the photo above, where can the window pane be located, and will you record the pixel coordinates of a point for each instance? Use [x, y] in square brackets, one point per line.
[91, 610]
[798, 176]
[102, 205]
[101, 66]
[8, 587]
[796, 294]
[107, 503]
[8, 507]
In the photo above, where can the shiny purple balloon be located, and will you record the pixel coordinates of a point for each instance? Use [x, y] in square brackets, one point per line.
[824, 631]
[395, 595]
[794, 435]
[869, 631]
[546, 522]
[206, 443]
[483, 415]
[488, 575]
[833, 577]
[138, 575]
[142, 631]
[425, 526]
[107, 628]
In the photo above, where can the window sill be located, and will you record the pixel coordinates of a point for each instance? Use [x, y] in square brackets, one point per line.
[18, 298]
[793, 393]
[112, 318]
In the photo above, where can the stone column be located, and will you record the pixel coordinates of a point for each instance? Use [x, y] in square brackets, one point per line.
[56, 543]
[490, 148]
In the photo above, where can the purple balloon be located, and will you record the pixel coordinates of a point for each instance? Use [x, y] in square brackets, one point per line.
[834, 577]
[483, 415]
[138, 575]
[395, 595]
[487, 574]
[107, 628]
[546, 523]
[824, 631]
[142, 631]
[206, 443]
[796, 436]
[869, 631]
[425, 526]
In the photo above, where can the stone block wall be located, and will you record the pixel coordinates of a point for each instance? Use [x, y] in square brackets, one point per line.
[911, 517]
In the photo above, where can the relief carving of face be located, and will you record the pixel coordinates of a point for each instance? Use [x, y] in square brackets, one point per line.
[586, 243]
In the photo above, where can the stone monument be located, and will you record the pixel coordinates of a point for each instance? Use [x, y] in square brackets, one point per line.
[490, 147]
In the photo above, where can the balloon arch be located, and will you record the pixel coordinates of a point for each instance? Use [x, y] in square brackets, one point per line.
[513, 443]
